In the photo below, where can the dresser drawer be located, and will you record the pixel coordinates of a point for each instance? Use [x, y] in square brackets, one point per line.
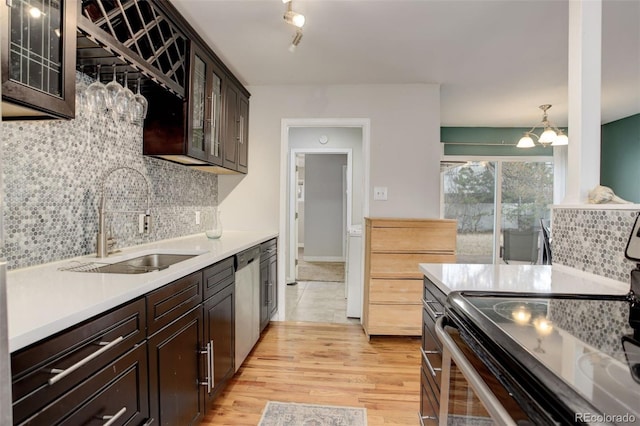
[395, 291]
[218, 276]
[119, 389]
[173, 300]
[404, 265]
[401, 320]
[79, 352]
[436, 237]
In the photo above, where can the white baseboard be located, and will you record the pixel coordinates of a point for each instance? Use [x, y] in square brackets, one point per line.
[324, 258]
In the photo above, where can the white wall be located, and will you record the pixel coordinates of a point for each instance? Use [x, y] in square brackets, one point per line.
[404, 151]
[324, 207]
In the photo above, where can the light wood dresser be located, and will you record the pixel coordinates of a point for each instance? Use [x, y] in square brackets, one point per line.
[394, 247]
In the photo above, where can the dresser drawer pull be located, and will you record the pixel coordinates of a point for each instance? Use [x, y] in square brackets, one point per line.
[114, 418]
[434, 314]
[431, 369]
[60, 374]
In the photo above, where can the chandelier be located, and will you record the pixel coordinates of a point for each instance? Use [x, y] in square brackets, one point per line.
[297, 20]
[550, 135]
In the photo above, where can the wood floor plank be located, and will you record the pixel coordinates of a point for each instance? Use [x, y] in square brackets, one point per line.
[332, 364]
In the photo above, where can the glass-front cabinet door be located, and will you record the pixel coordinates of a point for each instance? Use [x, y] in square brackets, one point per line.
[215, 116]
[197, 105]
[38, 57]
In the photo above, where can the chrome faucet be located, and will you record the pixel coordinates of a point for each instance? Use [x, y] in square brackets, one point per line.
[104, 243]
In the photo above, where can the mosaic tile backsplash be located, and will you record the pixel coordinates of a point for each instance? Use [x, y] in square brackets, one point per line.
[593, 240]
[53, 173]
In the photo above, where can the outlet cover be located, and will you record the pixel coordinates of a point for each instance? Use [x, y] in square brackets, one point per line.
[380, 193]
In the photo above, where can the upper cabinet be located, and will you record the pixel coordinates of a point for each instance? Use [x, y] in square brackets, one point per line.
[38, 58]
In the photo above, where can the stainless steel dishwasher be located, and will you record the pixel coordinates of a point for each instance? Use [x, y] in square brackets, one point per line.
[247, 304]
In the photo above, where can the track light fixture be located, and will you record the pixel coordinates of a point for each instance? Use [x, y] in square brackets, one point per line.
[293, 18]
[297, 20]
[550, 135]
[295, 41]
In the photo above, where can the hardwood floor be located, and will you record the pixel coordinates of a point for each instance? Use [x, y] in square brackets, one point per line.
[330, 364]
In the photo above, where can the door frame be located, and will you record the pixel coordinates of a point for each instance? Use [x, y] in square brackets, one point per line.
[293, 199]
[286, 124]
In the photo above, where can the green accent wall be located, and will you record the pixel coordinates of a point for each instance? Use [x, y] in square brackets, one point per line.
[620, 157]
[488, 141]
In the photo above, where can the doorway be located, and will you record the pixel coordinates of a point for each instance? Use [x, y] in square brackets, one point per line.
[331, 152]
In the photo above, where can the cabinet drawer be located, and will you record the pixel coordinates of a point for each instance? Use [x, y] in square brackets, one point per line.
[432, 368]
[173, 300]
[436, 237]
[395, 291]
[431, 292]
[109, 336]
[404, 265]
[218, 276]
[429, 404]
[268, 248]
[119, 389]
[429, 340]
[401, 320]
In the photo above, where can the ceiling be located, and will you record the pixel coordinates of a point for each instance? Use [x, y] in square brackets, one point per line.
[496, 60]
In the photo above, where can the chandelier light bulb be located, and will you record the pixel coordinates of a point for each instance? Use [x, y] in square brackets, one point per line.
[35, 12]
[561, 140]
[548, 136]
[298, 20]
[525, 142]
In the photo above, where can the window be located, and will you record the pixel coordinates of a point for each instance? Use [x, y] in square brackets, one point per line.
[507, 195]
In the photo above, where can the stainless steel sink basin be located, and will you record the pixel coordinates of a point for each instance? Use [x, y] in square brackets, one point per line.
[143, 264]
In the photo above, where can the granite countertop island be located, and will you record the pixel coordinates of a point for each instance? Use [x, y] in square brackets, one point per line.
[45, 299]
[544, 279]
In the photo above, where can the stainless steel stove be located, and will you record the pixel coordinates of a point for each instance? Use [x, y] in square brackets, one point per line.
[532, 359]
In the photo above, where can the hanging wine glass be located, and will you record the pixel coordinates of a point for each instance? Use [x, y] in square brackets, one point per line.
[96, 95]
[113, 88]
[123, 101]
[81, 94]
[139, 107]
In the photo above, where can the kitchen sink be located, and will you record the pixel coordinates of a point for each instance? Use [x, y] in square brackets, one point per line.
[137, 265]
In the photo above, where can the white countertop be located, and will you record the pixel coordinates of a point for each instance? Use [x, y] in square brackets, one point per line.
[519, 278]
[43, 300]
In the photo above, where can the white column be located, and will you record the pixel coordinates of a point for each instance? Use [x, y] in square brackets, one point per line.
[585, 58]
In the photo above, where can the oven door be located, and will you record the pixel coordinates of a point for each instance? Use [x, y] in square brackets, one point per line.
[470, 393]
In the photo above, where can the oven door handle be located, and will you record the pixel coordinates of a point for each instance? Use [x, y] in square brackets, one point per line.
[482, 391]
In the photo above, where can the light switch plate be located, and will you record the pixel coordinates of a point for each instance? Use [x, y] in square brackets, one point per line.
[197, 218]
[380, 193]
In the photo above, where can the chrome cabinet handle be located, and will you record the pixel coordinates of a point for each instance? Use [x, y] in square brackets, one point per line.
[432, 369]
[207, 352]
[241, 140]
[212, 365]
[114, 418]
[482, 391]
[60, 374]
[148, 422]
[212, 123]
[434, 314]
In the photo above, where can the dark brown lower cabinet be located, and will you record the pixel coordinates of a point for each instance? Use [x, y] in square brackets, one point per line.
[176, 365]
[117, 392]
[219, 316]
[268, 282]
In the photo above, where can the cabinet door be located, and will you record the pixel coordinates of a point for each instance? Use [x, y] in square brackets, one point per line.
[219, 314]
[231, 131]
[38, 57]
[176, 393]
[243, 137]
[198, 129]
[214, 119]
[273, 286]
[264, 293]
